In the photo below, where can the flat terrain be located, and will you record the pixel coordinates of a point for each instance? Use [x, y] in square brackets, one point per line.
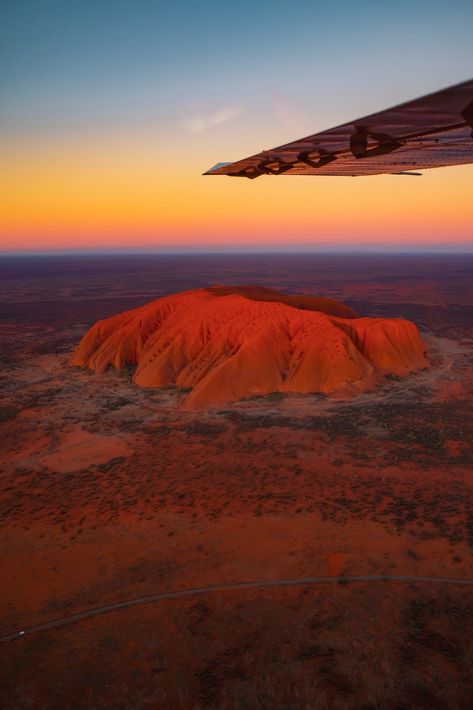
[110, 492]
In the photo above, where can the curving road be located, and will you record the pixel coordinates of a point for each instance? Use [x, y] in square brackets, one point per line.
[191, 591]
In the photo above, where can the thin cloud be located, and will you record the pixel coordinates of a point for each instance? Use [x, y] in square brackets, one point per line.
[199, 120]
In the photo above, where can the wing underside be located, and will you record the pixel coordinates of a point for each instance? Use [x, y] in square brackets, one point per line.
[431, 132]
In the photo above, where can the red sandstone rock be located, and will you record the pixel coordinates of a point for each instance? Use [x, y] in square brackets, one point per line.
[232, 342]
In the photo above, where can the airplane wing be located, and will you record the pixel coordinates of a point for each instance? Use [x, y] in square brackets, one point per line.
[431, 132]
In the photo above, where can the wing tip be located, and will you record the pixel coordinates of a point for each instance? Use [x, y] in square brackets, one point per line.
[215, 168]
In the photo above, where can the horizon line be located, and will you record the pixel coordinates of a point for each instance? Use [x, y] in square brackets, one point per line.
[439, 251]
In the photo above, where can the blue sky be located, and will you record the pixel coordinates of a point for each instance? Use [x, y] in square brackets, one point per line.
[77, 62]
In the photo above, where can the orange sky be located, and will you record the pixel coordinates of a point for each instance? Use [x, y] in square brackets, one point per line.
[96, 191]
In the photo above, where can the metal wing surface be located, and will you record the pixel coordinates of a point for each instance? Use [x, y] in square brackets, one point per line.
[430, 132]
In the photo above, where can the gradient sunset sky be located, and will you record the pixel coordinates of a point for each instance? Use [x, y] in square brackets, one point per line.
[111, 110]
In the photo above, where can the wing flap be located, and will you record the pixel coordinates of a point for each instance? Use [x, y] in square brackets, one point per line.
[429, 132]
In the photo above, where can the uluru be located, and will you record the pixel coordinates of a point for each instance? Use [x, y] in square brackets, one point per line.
[225, 343]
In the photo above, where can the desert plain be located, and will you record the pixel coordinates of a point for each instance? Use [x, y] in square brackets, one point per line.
[111, 493]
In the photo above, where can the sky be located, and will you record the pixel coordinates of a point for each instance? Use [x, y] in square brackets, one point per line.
[111, 110]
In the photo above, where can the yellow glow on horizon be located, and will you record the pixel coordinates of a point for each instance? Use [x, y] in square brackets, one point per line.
[107, 192]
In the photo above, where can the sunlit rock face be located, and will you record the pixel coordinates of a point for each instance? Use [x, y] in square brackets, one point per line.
[227, 343]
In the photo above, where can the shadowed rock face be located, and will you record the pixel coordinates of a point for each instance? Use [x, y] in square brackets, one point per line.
[226, 343]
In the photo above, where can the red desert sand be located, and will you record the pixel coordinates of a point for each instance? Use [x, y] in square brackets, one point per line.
[227, 343]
